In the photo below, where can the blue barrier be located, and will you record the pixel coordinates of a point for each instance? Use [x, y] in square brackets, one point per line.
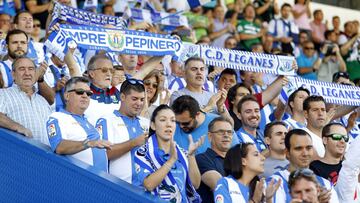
[31, 172]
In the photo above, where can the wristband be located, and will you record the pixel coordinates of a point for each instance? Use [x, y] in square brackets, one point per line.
[321, 55]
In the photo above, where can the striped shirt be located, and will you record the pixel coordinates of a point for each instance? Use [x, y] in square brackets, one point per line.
[32, 113]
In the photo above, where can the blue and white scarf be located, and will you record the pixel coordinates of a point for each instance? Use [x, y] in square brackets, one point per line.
[82, 17]
[147, 157]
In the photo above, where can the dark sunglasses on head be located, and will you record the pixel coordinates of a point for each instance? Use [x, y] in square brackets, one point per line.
[338, 137]
[304, 171]
[135, 81]
[81, 92]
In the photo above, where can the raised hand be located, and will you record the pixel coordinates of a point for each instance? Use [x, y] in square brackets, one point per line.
[272, 188]
[173, 152]
[193, 146]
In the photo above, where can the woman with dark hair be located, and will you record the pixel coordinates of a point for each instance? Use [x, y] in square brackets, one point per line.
[162, 167]
[243, 163]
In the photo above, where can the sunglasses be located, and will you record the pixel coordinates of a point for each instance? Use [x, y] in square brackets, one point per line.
[153, 85]
[338, 137]
[309, 48]
[36, 25]
[105, 70]
[81, 92]
[186, 123]
[135, 81]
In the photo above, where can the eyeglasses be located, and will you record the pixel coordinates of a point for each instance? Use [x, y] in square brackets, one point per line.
[309, 48]
[338, 137]
[148, 83]
[81, 92]
[105, 70]
[186, 123]
[223, 132]
[36, 25]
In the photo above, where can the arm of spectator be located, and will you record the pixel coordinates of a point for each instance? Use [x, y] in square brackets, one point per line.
[260, 10]
[221, 107]
[72, 147]
[74, 70]
[8, 123]
[147, 67]
[308, 9]
[154, 179]
[279, 111]
[44, 89]
[342, 64]
[274, 89]
[244, 36]
[343, 110]
[210, 178]
[194, 172]
[117, 150]
[213, 35]
[346, 47]
[212, 102]
[33, 8]
[317, 64]
[17, 4]
[139, 26]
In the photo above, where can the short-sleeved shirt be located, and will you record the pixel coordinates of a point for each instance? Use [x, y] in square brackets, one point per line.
[32, 113]
[209, 161]
[202, 98]
[118, 128]
[272, 166]
[6, 73]
[327, 171]
[246, 27]
[304, 61]
[182, 138]
[64, 125]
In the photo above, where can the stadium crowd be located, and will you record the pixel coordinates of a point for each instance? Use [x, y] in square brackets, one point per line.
[183, 130]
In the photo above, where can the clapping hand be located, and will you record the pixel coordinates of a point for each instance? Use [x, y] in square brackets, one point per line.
[193, 146]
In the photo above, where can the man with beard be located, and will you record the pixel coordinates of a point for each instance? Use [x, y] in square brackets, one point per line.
[335, 139]
[299, 151]
[191, 120]
[24, 21]
[17, 46]
[71, 134]
[249, 111]
[126, 130]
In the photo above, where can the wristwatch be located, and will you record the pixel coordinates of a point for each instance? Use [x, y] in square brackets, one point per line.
[85, 143]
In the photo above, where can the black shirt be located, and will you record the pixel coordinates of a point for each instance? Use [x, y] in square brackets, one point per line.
[327, 171]
[208, 161]
[237, 121]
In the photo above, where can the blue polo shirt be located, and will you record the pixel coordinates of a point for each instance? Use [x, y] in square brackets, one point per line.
[304, 61]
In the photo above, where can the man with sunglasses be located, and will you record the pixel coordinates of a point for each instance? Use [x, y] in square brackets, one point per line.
[299, 151]
[126, 130]
[106, 98]
[71, 134]
[335, 139]
[308, 61]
